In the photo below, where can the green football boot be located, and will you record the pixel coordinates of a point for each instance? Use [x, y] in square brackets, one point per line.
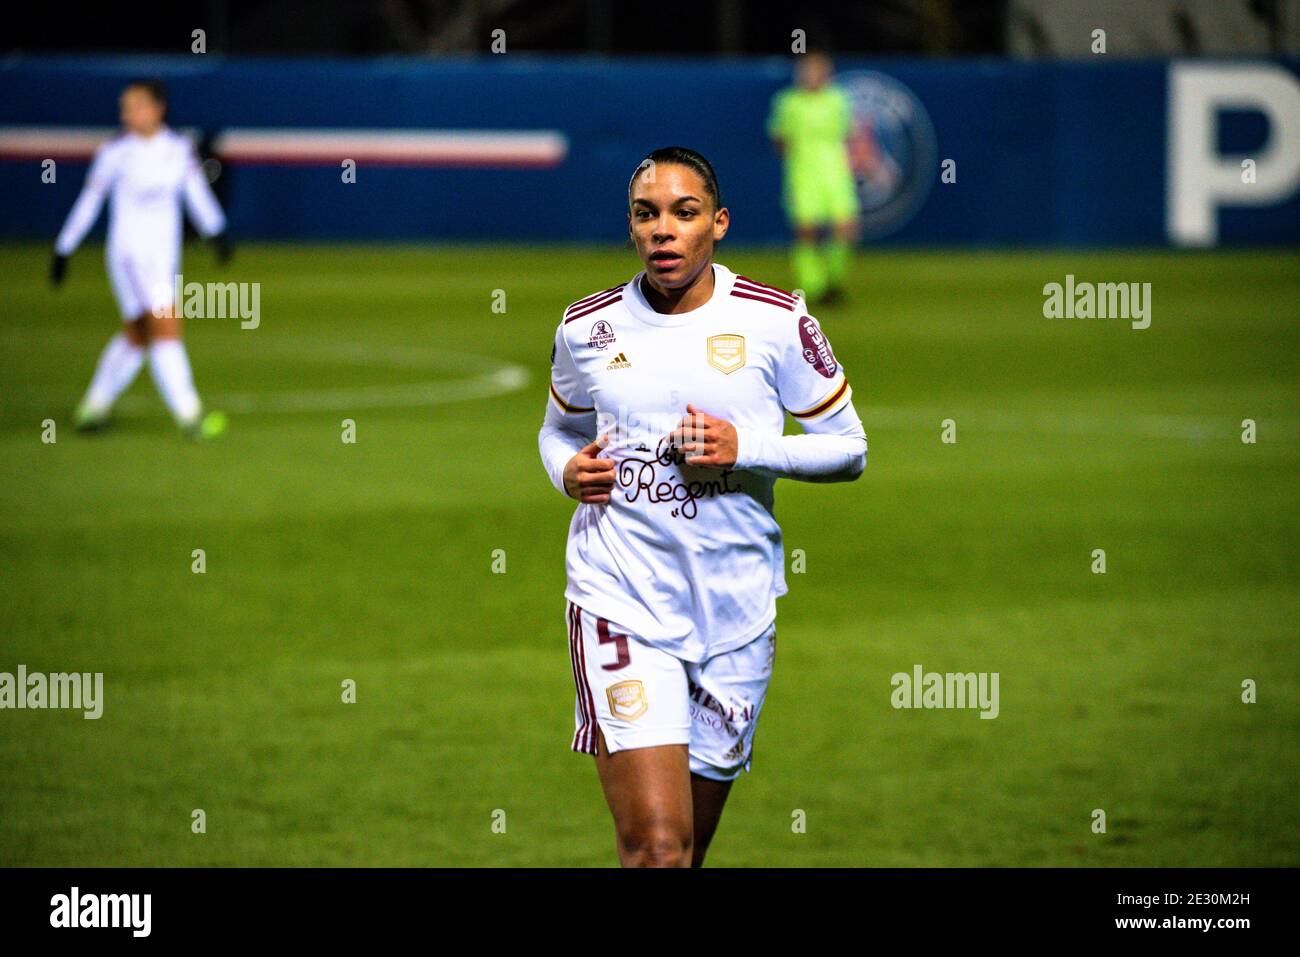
[89, 419]
[207, 426]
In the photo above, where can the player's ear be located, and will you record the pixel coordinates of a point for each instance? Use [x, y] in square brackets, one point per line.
[721, 221]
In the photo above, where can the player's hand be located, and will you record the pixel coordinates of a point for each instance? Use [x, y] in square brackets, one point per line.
[705, 440]
[224, 247]
[58, 269]
[588, 479]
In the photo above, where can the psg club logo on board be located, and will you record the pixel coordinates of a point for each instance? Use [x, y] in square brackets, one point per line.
[892, 150]
[602, 334]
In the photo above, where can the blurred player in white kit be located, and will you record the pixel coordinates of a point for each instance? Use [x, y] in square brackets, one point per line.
[147, 170]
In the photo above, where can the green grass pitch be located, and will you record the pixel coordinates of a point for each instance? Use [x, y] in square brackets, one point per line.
[373, 561]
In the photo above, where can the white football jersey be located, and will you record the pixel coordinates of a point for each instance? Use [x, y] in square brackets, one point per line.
[146, 179]
[688, 559]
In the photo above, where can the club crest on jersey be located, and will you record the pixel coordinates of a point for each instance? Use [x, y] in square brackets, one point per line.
[727, 352]
[816, 350]
[602, 334]
[627, 699]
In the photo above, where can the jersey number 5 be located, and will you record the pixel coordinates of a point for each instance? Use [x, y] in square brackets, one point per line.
[619, 642]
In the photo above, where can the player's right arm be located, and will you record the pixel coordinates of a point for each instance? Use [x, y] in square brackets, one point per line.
[777, 121]
[84, 211]
[567, 440]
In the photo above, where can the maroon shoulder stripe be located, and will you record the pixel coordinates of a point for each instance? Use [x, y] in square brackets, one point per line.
[764, 298]
[599, 304]
[595, 295]
[772, 289]
[763, 291]
[760, 291]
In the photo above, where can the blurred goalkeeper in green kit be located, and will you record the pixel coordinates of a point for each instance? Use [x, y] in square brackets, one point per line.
[809, 126]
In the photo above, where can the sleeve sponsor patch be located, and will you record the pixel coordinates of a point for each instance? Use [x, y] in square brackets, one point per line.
[816, 349]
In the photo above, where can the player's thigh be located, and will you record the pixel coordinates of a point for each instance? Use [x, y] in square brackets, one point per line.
[726, 698]
[630, 711]
[842, 203]
[807, 200]
[143, 283]
[131, 304]
[164, 324]
[813, 200]
[649, 794]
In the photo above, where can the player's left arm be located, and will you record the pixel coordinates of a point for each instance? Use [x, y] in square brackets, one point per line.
[814, 389]
[833, 448]
[203, 208]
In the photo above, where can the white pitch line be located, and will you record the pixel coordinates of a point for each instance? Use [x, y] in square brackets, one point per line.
[497, 378]
[501, 377]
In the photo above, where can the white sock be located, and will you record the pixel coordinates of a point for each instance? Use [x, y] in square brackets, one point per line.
[118, 365]
[171, 373]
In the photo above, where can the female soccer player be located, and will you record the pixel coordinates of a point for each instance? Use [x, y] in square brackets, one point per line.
[148, 170]
[810, 125]
[674, 558]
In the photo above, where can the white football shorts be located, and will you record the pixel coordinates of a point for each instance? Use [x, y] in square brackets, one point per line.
[640, 696]
[141, 283]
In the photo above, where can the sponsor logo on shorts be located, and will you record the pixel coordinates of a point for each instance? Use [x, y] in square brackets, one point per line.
[726, 713]
[727, 352]
[627, 699]
[737, 751]
[711, 720]
[602, 334]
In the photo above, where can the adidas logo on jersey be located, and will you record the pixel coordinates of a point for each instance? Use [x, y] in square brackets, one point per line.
[619, 362]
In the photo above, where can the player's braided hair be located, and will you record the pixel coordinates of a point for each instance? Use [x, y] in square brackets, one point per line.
[682, 156]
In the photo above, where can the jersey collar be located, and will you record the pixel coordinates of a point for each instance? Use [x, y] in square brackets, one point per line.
[635, 300]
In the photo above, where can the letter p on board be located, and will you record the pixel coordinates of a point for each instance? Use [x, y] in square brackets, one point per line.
[1200, 179]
